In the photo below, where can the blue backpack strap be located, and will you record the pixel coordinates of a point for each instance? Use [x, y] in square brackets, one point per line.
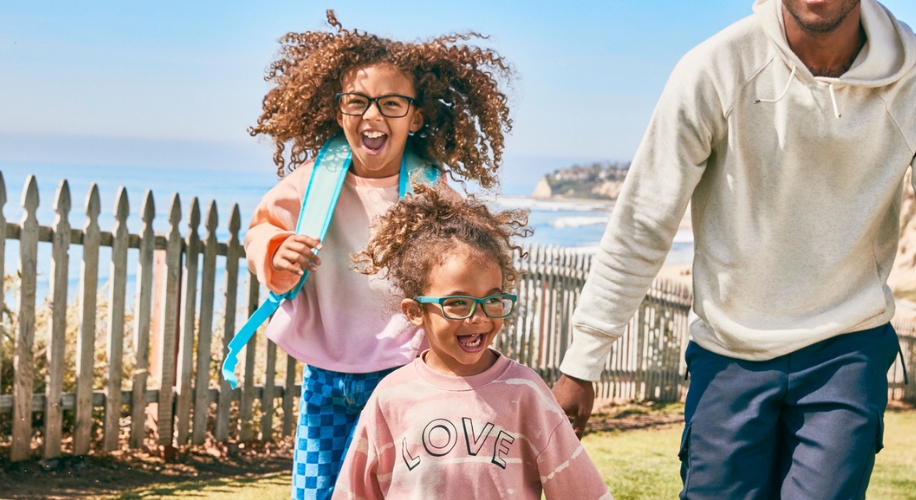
[415, 170]
[324, 188]
[325, 183]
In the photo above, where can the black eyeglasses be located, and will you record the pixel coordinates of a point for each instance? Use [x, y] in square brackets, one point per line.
[391, 105]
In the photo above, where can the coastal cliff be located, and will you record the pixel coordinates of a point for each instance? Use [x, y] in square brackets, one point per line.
[598, 181]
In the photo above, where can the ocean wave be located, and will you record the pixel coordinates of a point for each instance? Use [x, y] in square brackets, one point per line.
[512, 202]
[571, 222]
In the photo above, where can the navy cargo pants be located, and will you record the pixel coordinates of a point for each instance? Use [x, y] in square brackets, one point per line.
[806, 425]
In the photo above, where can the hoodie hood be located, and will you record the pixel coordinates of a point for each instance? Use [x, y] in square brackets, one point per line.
[887, 55]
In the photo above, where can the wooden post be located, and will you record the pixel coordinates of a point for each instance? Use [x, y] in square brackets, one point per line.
[208, 281]
[188, 313]
[233, 253]
[247, 399]
[142, 317]
[20, 448]
[2, 269]
[60, 266]
[169, 323]
[85, 343]
[117, 289]
[267, 397]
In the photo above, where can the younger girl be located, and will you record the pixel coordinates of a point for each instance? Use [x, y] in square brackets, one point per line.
[439, 101]
[462, 421]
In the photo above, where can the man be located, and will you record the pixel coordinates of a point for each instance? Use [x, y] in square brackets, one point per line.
[790, 132]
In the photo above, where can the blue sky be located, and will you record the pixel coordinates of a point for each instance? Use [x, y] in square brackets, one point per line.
[176, 83]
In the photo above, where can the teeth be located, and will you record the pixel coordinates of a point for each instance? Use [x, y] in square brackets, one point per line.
[476, 342]
[373, 134]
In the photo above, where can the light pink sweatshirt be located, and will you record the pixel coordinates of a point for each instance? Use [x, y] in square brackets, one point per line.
[341, 320]
[498, 434]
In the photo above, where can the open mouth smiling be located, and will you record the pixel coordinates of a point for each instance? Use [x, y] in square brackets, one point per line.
[374, 140]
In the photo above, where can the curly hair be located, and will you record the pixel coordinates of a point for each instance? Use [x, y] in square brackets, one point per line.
[458, 90]
[423, 230]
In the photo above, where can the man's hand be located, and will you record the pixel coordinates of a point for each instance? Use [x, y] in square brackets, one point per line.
[296, 253]
[576, 397]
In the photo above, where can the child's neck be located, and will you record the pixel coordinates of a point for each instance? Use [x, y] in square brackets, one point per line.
[435, 364]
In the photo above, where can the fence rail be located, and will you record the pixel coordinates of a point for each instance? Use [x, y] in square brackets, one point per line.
[105, 373]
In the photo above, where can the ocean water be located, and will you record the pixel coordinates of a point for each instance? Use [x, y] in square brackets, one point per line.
[576, 224]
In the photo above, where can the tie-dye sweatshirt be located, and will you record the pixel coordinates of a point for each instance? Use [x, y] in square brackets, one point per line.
[498, 434]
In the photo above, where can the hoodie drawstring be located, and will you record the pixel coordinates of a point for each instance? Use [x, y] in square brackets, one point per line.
[784, 91]
[836, 110]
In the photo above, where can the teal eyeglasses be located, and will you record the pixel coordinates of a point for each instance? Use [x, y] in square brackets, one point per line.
[463, 307]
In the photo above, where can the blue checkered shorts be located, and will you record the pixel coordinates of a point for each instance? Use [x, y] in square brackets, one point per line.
[328, 410]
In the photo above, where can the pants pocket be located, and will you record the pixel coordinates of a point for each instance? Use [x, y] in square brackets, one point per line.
[879, 433]
[684, 455]
[685, 444]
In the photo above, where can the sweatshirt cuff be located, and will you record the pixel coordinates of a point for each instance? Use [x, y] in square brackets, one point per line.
[588, 353]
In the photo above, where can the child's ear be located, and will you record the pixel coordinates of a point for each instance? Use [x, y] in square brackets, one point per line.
[412, 310]
[416, 121]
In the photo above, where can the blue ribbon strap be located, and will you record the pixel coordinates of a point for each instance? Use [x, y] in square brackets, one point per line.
[325, 184]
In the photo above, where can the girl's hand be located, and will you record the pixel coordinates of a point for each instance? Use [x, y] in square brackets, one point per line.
[296, 253]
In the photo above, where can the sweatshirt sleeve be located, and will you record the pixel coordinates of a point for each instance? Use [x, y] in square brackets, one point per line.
[359, 475]
[273, 221]
[566, 470]
[686, 124]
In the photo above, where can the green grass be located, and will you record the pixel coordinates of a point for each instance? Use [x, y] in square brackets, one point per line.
[639, 464]
[269, 486]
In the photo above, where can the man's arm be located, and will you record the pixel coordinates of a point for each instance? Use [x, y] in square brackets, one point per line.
[576, 397]
[688, 121]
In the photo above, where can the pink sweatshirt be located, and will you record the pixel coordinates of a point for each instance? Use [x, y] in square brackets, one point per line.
[498, 434]
[341, 320]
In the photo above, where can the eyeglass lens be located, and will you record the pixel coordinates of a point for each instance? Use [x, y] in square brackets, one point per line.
[461, 307]
[392, 106]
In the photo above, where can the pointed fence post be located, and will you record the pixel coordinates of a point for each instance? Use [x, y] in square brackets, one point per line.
[142, 313]
[60, 266]
[85, 343]
[169, 323]
[233, 253]
[186, 336]
[23, 368]
[2, 269]
[204, 336]
[246, 405]
[117, 289]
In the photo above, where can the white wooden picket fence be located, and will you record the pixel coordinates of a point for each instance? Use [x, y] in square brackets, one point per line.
[172, 393]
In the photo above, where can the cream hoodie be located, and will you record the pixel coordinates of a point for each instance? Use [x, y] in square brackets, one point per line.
[795, 183]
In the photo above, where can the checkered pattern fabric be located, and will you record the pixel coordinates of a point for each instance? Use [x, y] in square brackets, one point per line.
[328, 410]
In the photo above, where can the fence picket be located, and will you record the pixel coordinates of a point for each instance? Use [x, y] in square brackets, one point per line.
[169, 324]
[3, 231]
[60, 266]
[186, 334]
[142, 318]
[233, 253]
[85, 344]
[20, 448]
[117, 289]
[205, 328]
[267, 397]
[246, 404]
